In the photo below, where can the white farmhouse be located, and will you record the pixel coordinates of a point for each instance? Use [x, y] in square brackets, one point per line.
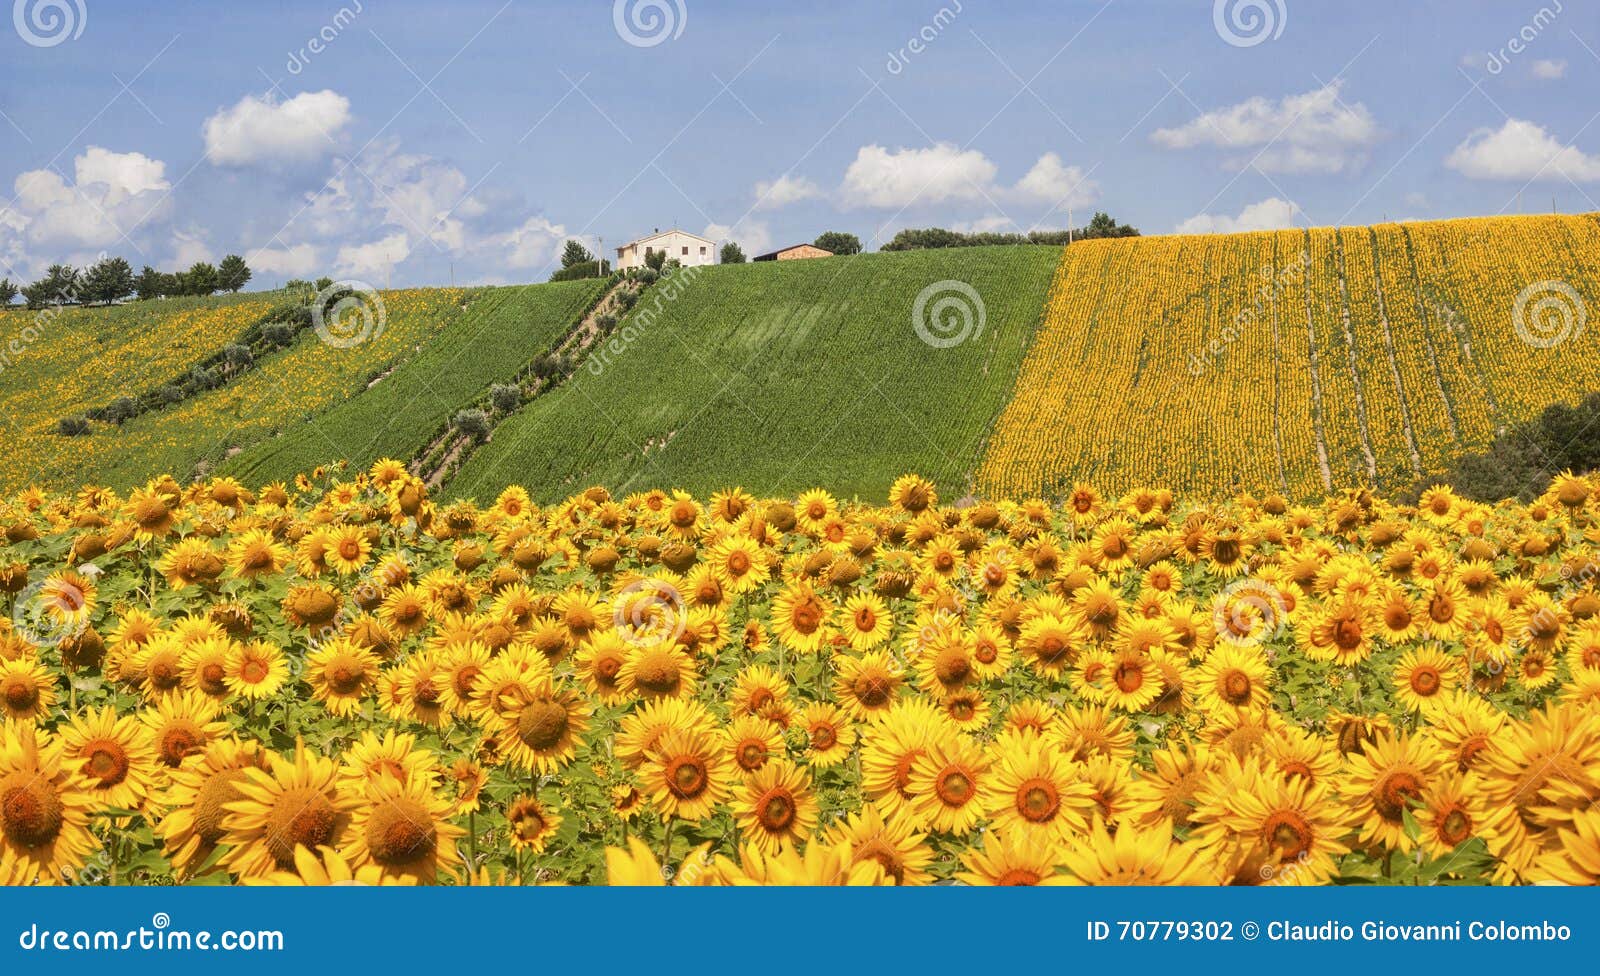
[689, 249]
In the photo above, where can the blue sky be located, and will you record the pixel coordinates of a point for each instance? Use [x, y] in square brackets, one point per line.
[431, 141]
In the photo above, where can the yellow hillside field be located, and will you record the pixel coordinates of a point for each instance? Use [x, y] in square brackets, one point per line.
[1299, 360]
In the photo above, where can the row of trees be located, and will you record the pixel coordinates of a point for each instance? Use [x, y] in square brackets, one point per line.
[1103, 225]
[112, 280]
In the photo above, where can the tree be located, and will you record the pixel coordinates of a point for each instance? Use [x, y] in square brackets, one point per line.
[150, 283]
[575, 253]
[655, 260]
[8, 292]
[64, 283]
[732, 253]
[201, 278]
[838, 242]
[108, 280]
[232, 273]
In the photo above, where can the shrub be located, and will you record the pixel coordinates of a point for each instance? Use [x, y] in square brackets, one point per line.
[473, 423]
[121, 409]
[505, 397]
[72, 426]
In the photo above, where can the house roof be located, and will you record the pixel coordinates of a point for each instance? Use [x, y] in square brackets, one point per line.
[773, 254]
[664, 233]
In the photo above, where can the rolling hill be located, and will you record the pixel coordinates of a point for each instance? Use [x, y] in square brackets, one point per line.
[1298, 361]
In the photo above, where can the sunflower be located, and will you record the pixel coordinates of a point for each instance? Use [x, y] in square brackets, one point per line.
[530, 824]
[686, 774]
[1133, 857]
[323, 868]
[541, 733]
[896, 742]
[196, 797]
[1234, 677]
[402, 829]
[44, 812]
[255, 671]
[776, 806]
[1013, 860]
[1341, 632]
[991, 651]
[799, 617]
[1422, 677]
[1099, 605]
[1384, 781]
[256, 555]
[420, 688]
[738, 564]
[192, 562]
[1452, 812]
[867, 685]
[311, 605]
[404, 610]
[1133, 681]
[341, 674]
[950, 784]
[1036, 792]
[830, 735]
[820, 864]
[393, 755]
[751, 741]
[1051, 643]
[181, 725]
[1166, 793]
[657, 670]
[1576, 859]
[27, 690]
[1091, 730]
[1262, 828]
[348, 549]
[205, 666]
[111, 758]
[295, 802]
[968, 709]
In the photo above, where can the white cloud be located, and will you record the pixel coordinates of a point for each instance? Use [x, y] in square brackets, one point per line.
[945, 173]
[1549, 70]
[295, 260]
[1521, 150]
[1417, 200]
[372, 260]
[190, 246]
[533, 244]
[879, 177]
[990, 224]
[111, 194]
[783, 191]
[259, 130]
[753, 236]
[1314, 132]
[1052, 182]
[1273, 213]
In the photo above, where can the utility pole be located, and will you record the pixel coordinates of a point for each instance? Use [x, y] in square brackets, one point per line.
[1069, 223]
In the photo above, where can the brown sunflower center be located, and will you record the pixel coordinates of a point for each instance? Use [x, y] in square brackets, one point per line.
[1394, 793]
[400, 832]
[1019, 878]
[1455, 826]
[105, 761]
[1425, 680]
[302, 817]
[178, 741]
[751, 754]
[658, 673]
[824, 736]
[21, 695]
[31, 814]
[775, 810]
[345, 677]
[872, 688]
[1288, 834]
[686, 776]
[209, 805]
[542, 724]
[1038, 800]
[954, 786]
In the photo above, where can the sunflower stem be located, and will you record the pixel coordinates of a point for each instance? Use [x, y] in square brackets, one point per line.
[666, 845]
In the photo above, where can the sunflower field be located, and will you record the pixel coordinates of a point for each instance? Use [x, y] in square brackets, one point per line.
[1302, 361]
[343, 679]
